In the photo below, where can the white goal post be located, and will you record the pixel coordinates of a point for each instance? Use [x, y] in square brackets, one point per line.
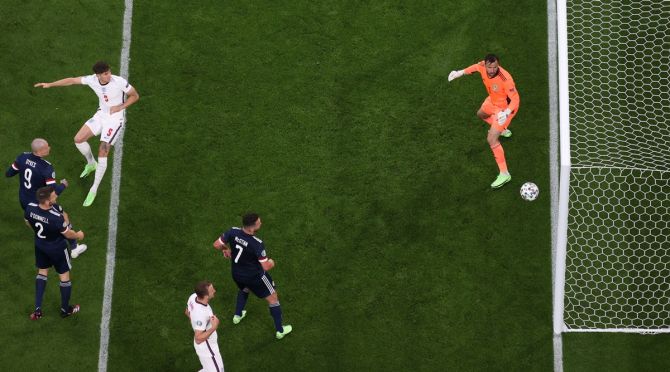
[612, 264]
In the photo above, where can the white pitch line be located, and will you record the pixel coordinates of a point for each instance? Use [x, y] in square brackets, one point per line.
[552, 48]
[114, 204]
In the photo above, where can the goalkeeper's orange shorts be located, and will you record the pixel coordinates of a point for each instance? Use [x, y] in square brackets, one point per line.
[491, 109]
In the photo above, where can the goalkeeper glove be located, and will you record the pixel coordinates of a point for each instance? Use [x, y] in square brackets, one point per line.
[503, 115]
[455, 74]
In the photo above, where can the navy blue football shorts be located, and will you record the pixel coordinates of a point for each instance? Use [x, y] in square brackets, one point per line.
[59, 258]
[262, 286]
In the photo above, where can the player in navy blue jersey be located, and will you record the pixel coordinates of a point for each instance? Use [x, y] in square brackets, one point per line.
[35, 173]
[51, 231]
[249, 266]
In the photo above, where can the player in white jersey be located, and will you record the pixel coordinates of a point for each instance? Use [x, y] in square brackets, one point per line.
[190, 303]
[204, 324]
[107, 122]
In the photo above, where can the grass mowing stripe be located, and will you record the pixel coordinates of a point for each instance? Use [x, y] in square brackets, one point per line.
[114, 204]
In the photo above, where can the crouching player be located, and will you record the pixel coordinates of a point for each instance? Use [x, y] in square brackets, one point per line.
[498, 109]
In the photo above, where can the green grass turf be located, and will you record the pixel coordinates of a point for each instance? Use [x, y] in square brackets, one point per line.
[615, 352]
[336, 123]
[45, 41]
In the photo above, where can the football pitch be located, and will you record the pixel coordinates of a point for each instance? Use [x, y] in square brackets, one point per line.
[335, 122]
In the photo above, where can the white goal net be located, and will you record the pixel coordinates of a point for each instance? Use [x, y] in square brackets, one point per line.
[617, 225]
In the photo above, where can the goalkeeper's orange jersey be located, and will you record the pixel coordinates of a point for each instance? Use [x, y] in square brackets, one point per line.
[501, 87]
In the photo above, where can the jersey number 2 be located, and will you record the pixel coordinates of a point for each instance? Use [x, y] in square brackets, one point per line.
[237, 258]
[39, 233]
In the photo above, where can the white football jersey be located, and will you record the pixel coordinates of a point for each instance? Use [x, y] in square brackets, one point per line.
[200, 318]
[190, 304]
[110, 94]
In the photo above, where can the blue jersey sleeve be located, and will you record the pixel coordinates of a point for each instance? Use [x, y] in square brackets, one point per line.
[225, 237]
[259, 250]
[11, 172]
[14, 169]
[49, 176]
[64, 225]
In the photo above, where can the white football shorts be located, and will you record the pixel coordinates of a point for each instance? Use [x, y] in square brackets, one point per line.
[209, 355]
[107, 126]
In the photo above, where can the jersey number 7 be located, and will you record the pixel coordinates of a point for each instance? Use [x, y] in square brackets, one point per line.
[237, 258]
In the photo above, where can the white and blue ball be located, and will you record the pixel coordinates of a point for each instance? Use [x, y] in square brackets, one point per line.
[529, 191]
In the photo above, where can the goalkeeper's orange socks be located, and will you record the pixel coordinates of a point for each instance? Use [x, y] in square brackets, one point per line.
[499, 155]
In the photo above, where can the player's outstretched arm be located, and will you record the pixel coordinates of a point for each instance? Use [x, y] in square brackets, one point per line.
[60, 83]
[11, 172]
[456, 74]
[477, 67]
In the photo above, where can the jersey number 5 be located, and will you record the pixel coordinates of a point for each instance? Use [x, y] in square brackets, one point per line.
[237, 258]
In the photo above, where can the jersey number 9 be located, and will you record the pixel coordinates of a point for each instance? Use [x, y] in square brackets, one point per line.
[27, 175]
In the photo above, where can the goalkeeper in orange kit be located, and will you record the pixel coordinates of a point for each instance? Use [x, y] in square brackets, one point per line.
[498, 109]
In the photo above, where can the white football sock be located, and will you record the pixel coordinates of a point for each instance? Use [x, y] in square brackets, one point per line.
[99, 172]
[85, 150]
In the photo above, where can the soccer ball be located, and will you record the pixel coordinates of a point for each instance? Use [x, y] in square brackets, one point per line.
[529, 191]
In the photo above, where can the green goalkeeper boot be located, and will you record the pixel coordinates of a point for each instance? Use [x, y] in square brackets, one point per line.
[506, 133]
[501, 180]
[88, 169]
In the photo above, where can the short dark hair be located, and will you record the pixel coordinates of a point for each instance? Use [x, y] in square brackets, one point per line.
[490, 58]
[100, 67]
[249, 219]
[44, 193]
[202, 288]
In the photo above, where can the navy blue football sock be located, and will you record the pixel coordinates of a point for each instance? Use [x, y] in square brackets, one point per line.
[242, 297]
[65, 291]
[40, 286]
[275, 311]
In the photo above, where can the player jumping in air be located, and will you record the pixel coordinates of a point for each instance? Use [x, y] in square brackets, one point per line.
[498, 109]
[107, 122]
